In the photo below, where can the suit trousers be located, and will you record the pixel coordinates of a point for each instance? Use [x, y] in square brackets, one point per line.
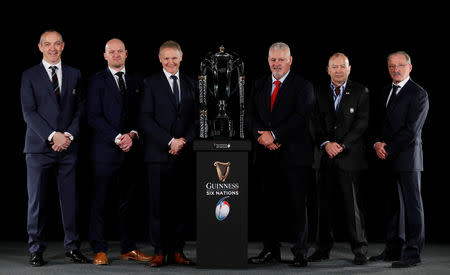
[40, 170]
[330, 180]
[168, 188]
[283, 185]
[406, 227]
[113, 178]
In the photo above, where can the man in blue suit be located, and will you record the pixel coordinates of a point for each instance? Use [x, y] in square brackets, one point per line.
[52, 109]
[112, 109]
[399, 146]
[167, 119]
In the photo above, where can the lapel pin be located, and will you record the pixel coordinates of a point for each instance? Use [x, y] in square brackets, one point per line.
[74, 91]
[352, 110]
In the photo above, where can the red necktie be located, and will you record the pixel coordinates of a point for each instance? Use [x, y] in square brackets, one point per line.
[274, 94]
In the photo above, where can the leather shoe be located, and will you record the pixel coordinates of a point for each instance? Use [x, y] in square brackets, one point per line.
[180, 258]
[100, 258]
[136, 255]
[300, 260]
[360, 259]
[266, 256]
[157, 260]
[36, 259]
[385, 256]
[319, 255]
[75, 256]
[406, 263]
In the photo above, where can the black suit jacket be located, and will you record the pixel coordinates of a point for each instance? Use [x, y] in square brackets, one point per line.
[289, 118]
[108, 115]
[347, 126]
[400, 126]
[161, 120]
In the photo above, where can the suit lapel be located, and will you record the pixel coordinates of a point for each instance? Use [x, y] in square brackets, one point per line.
[167, 91]
[47, 82]
[281, 91]
[112, 86]
[343, 105]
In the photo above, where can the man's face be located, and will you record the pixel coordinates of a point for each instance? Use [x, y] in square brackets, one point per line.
[279, 62]
[115, 54]
[170, 59]
[338, 69]
[399, 68]
[51, 46]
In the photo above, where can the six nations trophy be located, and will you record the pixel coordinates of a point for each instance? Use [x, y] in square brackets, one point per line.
[221, 96]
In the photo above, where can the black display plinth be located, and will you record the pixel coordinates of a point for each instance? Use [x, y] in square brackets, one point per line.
[222, 193]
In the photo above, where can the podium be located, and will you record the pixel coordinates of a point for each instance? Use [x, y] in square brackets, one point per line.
[222, 210]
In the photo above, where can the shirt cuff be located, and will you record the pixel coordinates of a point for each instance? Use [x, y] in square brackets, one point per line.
[323, 144]
[71, 136]
[273, 135]
[51, 136]
[136, 132]
[170, 142]
[117, 140]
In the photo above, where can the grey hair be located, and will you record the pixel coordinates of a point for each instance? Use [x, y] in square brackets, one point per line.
[408, 58]
[338, 54]
[170, 44]
[47, 31]
[280, 46]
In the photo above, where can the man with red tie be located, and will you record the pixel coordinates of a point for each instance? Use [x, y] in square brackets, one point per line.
[279, 111]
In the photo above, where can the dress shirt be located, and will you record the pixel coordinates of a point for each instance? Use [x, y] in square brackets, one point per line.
[400, 86]
[337, 100]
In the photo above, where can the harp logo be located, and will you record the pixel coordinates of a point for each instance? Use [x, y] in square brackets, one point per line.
[223, 169]
[222, 209]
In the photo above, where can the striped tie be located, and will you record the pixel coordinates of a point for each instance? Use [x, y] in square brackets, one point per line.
[55, 84]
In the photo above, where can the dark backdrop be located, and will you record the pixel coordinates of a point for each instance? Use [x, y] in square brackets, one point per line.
[365, 34]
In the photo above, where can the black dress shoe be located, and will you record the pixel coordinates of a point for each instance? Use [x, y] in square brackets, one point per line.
[36, 259]
[406, 263]
[385, 256]
[300, 260]
[76, 257]
[360, 259]
[266, 256]
[318, 256]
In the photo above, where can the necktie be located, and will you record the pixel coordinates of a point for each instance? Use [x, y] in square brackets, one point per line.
[121, 83]
[55, 84]
[274, 94]
[393, 95]
[337, 90]
[176, 91]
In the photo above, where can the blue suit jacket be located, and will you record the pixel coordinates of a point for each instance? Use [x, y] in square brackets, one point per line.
[401, 127]
[104, 114]
[41, 111]
[161, 120]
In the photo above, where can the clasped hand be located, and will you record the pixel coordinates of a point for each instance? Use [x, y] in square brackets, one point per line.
[266, 139]
[125, 142]
[60, 141]
[176, 145]
[333, 149]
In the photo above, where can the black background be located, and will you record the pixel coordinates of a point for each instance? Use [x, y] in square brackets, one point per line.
[366, 34]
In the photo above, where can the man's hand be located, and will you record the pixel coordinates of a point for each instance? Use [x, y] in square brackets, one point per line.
[333, 149]
[60, 142]
[176, 145]
[379, 149]
[265, 138]
[125, 142]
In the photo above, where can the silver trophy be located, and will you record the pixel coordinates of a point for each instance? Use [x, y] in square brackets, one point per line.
[221, 76]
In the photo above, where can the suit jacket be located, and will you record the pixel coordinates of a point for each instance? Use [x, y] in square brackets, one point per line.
[43, 114]
[109, 113]
[401, 126]
[161, 120]
[347, 126]
[288, 120]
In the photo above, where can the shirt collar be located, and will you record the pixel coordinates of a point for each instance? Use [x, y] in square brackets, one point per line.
[115, 71]
[402, 83]
[168, 75]
[281, 79]
[342, 87]
[47, 65]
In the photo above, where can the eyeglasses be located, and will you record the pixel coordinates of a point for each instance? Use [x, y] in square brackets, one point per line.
[400, 66]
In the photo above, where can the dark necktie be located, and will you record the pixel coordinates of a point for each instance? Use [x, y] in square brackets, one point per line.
[393, 95]
[176, 91]
[337, 90]
[55, 84]
[121, 83]
[274, 94]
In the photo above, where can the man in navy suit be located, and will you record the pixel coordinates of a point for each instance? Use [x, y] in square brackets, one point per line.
[399, 145]
[112, 110]
[52, 109]
[279, 113]
[168, 119]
